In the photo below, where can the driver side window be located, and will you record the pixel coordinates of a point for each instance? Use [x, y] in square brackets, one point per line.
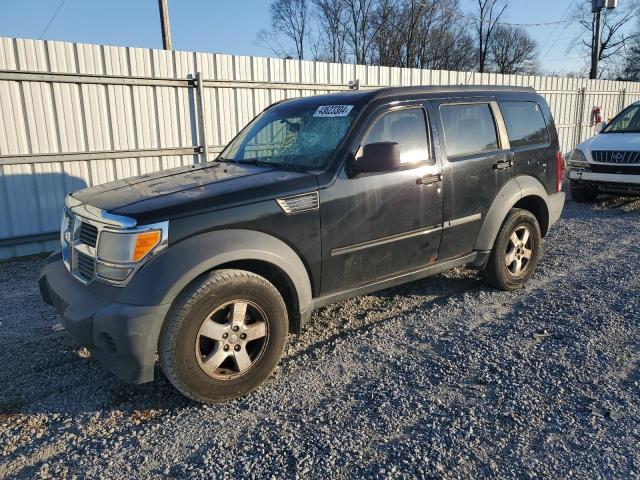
[408, 128]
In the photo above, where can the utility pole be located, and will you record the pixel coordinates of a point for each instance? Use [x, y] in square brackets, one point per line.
[164, 24]
[596, 8]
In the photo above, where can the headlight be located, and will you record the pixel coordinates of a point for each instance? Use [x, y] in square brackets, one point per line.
[121, 252]
[577, 159]
[127, 247]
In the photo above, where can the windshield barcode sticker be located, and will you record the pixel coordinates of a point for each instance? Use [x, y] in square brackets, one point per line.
[333, 110]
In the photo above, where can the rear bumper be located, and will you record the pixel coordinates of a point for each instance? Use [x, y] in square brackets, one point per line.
[556, 204]
[608, 182]
[121, 337]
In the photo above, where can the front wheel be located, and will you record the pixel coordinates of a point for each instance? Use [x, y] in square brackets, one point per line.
[516, 251]
[224, 336]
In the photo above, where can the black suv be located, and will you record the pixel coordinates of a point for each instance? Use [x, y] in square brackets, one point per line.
[318, 199]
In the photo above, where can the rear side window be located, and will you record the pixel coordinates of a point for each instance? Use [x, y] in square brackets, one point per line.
[468, 128]
[408, 128]
[525, 123]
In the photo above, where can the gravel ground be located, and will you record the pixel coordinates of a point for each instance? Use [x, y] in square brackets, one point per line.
[442, 378]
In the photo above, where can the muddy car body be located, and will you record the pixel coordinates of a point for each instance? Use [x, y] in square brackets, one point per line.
[318, 199]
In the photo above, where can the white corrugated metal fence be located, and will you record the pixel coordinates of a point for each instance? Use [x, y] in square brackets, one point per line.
[76, 115]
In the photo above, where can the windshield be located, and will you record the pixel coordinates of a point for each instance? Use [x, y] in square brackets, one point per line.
[626, 122]
[297, 137]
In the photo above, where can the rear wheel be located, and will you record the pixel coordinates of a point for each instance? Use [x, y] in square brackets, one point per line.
[224, 336]
[516, 251]
[582, 193]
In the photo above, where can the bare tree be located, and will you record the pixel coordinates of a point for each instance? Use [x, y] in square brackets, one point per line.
[489, 13]
[612, 37]
[414, 14]
[512, 50]
[632, 64]
[399, 33]
[289, 17]
[445, 43]
[360, 28]
[270, 39]
[331, 32]
[387, 43]
[630, 70]
[450, 48]
[432, 34]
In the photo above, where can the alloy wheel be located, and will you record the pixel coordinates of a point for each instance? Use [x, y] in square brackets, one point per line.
[231, 339]
[519, 251]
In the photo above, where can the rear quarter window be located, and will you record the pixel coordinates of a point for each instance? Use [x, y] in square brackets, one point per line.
[525, 123]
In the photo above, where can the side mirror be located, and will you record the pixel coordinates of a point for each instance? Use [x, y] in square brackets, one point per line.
[377, 157]
[600, 126]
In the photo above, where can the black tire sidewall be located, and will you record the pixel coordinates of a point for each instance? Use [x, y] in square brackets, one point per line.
[185, 365]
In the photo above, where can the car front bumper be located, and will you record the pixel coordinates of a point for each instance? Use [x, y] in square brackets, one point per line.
[120, 336]
[607, 182]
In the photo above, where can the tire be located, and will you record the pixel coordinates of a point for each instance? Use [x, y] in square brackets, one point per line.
[514, 257]
[582, 193]
[202, 350]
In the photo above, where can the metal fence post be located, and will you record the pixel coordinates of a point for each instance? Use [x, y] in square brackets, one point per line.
[623, 99]
[577, 132]
[576, 119]
[202, 119]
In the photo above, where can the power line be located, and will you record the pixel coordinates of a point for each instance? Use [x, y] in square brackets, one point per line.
[554, 43]
[53, 17]
[483, 20]
[548, 50]
[561, 17]
[564, 42]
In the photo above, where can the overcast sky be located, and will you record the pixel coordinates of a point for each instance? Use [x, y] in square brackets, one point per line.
[223, 26]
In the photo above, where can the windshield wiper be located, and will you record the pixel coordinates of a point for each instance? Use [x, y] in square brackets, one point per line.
[255, 161]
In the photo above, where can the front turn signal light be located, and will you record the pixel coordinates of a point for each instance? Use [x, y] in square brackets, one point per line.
[145, 242]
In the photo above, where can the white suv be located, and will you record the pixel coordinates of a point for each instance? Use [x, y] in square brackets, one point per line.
[610, 161]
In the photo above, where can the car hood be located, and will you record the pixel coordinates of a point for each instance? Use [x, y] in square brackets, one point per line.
[169, 193]
[623, 142]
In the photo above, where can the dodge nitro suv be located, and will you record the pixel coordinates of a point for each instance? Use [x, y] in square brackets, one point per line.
[317, 199]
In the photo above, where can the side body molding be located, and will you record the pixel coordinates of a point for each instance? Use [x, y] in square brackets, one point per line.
[514, 190]
[160, 281]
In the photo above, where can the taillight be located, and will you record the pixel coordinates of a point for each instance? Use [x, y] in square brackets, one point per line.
[559, 171]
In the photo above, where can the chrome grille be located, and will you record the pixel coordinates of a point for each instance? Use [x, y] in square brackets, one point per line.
[88, 234]
[86, 266]
[612, 168]
[79, 240]
[616, 157]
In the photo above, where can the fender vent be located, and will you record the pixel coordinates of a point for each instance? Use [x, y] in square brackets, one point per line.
[299, 203]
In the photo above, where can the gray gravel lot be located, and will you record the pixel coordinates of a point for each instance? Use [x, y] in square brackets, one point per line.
[442, 378]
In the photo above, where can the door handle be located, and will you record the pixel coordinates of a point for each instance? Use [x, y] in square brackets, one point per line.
[430, 179]
[503, 164]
